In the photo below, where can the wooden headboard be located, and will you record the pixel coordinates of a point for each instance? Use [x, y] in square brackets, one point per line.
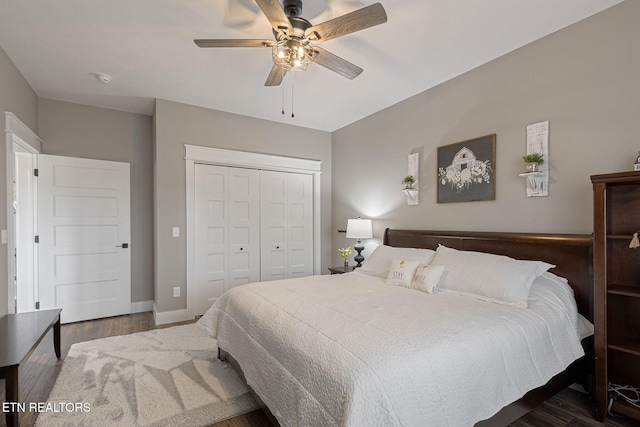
[571, 253]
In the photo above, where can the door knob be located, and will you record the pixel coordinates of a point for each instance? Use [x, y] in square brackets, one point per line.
[124, 246]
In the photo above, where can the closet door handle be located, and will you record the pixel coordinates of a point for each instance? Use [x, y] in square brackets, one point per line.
[123, 246]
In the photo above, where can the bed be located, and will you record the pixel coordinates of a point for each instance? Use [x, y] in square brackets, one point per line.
[351, 350]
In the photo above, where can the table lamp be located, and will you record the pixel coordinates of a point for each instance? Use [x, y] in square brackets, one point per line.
[359, 229]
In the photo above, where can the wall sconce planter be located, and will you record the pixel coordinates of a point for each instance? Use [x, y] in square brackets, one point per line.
[409, 183]
[537, 160]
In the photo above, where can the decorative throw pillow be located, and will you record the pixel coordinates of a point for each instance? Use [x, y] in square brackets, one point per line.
[427, 278]
[401, 272]
[379, 262]
[489, 277]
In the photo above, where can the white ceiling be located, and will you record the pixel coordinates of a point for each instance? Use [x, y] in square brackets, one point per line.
[147, 47]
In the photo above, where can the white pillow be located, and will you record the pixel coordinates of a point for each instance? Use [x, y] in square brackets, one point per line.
[489, 277]
[401, 272]
[379, 262]
[427, 277]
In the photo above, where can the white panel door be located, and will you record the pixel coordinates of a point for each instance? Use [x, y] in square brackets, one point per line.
[300, 224]
[84, 236]
[244, 226]
[211, 234]
[286, 225]
[227, 236]
[273, 225]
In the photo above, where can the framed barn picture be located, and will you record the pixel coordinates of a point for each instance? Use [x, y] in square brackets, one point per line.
[466, 170]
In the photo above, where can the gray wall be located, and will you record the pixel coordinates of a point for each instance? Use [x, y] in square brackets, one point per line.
[180, 124]
[583, 79]
[75, 130]
[19, 98]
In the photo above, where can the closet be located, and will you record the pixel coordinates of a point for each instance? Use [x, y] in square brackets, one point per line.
[250, 225]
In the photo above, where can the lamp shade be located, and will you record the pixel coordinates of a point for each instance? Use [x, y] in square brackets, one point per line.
[359, 229]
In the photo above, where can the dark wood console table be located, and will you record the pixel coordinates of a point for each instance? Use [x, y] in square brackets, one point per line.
[20, 334]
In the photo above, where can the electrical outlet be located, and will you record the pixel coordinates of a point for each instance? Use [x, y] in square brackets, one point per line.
[176, 292]
[176, 232]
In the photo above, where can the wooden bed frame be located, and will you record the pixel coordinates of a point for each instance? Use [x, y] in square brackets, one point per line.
[572, 255]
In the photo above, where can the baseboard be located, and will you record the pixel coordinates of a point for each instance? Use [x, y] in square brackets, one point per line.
[141, 306]
[164, 317]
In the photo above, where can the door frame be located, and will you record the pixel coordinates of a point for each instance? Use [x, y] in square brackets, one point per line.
[243, 159]
[19, 138]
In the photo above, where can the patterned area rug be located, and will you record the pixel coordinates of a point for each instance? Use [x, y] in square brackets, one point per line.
[163, 377]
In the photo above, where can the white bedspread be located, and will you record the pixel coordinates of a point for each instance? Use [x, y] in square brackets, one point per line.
[348, 350]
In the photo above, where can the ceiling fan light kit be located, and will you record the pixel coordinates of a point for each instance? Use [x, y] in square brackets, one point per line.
[293, 49]
[292, 54]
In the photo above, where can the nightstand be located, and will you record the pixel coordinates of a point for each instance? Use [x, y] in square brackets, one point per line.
[340, 270]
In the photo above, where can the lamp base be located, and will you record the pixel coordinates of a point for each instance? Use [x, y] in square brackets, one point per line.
[359, 247]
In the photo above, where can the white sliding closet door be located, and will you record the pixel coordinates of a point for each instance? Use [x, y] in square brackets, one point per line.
[286, 225]
[244, 226]
[212, 235]
[227, 203]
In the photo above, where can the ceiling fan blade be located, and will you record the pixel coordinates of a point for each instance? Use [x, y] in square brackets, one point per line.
[275, 14]
[346, 24]
[336, 64]
[276, 75]
[233, 43]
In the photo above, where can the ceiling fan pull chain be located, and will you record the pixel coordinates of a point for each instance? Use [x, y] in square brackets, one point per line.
[292, 115]
[282, 99]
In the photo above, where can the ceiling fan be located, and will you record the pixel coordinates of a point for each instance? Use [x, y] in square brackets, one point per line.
[295, 38]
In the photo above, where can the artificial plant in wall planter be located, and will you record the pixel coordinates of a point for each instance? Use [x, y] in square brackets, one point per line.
[533, 161]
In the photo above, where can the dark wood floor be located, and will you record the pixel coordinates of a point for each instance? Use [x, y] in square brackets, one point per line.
[37, 376]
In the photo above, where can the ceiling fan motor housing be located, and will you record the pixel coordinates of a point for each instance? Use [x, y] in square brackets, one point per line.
[299, 26]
